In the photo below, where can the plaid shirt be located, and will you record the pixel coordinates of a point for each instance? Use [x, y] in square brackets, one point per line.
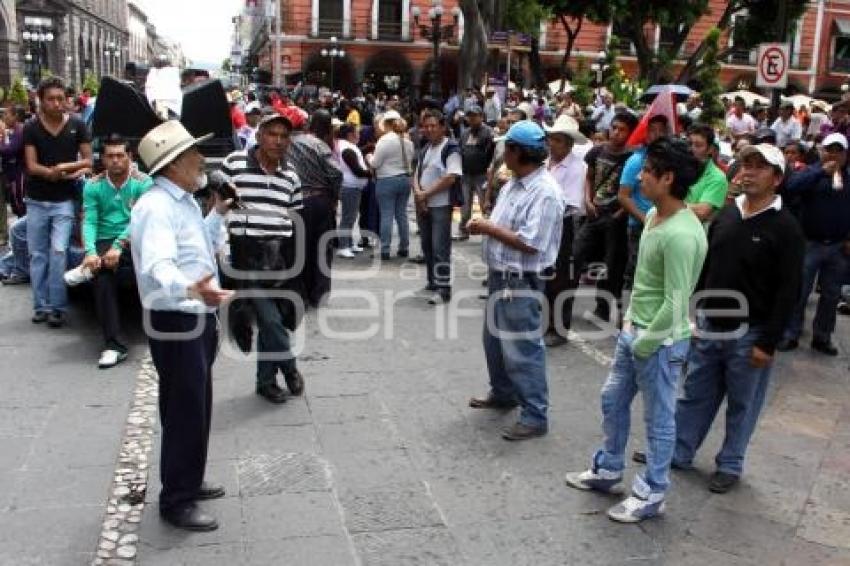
[532, 208]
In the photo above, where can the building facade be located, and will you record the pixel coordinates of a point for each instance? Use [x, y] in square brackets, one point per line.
[71, 38]
[384, 48]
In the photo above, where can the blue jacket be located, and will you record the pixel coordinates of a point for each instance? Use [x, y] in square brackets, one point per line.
[824, 211]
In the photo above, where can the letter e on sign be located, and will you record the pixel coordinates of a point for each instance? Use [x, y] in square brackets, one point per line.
[772, 65]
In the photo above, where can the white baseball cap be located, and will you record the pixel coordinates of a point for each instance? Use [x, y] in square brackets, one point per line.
[772, 154]
[835, 138]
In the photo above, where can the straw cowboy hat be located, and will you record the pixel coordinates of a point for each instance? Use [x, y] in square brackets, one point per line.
[164, 143]
[567, 126]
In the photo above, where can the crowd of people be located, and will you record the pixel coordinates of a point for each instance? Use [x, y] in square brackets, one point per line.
[605, 197]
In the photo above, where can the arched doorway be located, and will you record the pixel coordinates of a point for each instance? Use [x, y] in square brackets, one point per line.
[447, 71]
[387, 71]
[334, 73]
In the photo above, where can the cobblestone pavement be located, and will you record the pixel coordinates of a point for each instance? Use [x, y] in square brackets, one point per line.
[382, 462]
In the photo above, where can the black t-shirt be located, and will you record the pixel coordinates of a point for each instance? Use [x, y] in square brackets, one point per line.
[605, 168]
[52, 150]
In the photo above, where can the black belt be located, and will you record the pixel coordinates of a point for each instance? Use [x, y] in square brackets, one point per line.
[314, 192]
[515, 274]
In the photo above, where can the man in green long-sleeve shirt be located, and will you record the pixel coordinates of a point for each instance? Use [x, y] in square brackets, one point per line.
[653, 344]
[107, 201]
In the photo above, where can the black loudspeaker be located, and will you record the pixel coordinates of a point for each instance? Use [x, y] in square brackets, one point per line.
[121, 109]
[206, 111]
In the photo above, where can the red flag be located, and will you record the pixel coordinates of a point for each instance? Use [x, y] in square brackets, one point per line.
[664, 104]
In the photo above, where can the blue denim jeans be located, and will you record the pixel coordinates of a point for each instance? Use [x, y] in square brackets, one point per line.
[49, 226]
[393, 193]
[828, 264]
[350, 200]
[435, 232]
[17, 259]
[517, 364]
[656, 377]
[719, 369]
[273, 341]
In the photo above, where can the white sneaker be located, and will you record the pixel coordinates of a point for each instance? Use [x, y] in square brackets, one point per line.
[356, 249]
[110, 358]
[345, 252]
[600, 480]
[634, 509]
[77, 276]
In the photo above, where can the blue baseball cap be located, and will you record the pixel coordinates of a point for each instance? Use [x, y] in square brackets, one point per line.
[527, 134]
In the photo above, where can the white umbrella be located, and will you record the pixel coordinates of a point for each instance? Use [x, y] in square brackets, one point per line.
[749, 97]
[802, 100]
[555, 86]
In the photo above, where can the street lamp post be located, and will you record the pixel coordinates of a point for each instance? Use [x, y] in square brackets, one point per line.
[36, 41]
[435, 33]
[333, 52]
[599, 67]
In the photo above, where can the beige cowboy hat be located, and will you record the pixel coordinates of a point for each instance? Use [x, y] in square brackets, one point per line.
[164, 143]
[568, 126]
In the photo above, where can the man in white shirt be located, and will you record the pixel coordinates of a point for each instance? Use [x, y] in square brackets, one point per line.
[604, 114]
[569, 171]
[739, 122]
[173, 250]
[788, 129]
[439, 167]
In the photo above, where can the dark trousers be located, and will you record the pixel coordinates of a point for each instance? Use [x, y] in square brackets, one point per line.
[605, 237]
[184, 365]
[319, 219]
[559, 279]
[435, 232]
[828, 264]
[106, 284]
[273, 341]
[635, 232]
[369, 212]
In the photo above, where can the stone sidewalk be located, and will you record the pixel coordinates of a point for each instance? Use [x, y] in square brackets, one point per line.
[382, 462]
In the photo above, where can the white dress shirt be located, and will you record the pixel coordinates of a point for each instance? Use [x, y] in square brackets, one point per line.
[173, 246]
[570, 173]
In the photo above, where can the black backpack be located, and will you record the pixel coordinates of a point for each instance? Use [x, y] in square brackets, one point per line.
[456, 190]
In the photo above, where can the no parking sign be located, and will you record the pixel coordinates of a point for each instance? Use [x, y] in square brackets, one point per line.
[772, 65]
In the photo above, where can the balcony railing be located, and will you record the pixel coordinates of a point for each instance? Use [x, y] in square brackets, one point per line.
[390, 31]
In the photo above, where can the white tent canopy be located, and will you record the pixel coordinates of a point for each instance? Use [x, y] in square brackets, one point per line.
[803, 100]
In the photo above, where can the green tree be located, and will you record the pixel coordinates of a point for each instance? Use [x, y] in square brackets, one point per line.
[708, 79]
[17, 92]
[90, 82]
[751, 28]
[226, 66]
[582, 84]
[525, 16]
[623, 88]
[477, 21]
[572, 14]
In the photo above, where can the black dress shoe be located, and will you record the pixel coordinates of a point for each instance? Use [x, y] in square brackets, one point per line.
[520, 431]
[210, 491]
[273, 393]
[490, 402]
[190, 518]
[295, 382]
[39, 317]
[721, 482]
[640, 458]
[824, 347]
[786, 345]
[56, 319]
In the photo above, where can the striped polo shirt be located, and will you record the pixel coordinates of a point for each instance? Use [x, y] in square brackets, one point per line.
[266, 198]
